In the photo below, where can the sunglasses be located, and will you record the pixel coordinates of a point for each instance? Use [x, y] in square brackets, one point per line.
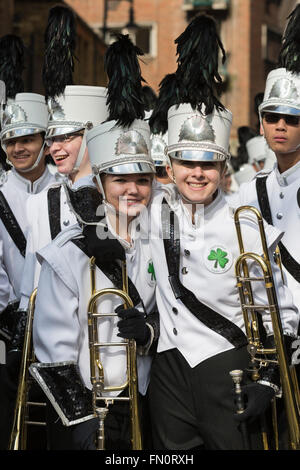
[273, 118]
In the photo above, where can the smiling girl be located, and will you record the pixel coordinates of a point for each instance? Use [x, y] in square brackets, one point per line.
[194, 247]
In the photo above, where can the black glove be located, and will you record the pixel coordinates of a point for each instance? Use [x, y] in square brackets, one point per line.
[257, 398]
[8, 319]
[18, 334]
[15, 348]
[132, 325]
[84, 434]
[106, 250]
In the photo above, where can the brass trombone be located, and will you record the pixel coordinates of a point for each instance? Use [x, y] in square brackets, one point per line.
[18, 437]
[259, 354]
[100, 391]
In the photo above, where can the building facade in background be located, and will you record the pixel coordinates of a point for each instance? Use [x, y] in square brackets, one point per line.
[251, 32]
[28, 19]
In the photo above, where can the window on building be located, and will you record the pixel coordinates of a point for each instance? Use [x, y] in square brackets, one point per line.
[144, 37]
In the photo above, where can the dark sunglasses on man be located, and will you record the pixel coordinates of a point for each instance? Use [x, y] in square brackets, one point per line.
[273, 118]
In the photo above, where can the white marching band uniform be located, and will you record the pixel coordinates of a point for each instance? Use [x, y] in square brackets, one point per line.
[282, 189]
[16, 191]
[78, 108]
[216, 287]
[59, 338]
[25, 115]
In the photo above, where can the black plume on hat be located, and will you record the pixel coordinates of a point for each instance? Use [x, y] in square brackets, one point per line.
[12, 64]
[289, 56]
[124, 91]
[198, 50]
[60, 42]
[197, 73]
[149, 97]
[167, 97]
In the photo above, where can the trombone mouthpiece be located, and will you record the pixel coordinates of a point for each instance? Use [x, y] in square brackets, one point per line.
[236, 375]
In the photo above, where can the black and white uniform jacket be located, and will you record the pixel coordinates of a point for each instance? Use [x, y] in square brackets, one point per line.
[196, 273]
[277, 195]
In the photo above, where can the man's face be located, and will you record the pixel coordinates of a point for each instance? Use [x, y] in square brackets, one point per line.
[23, 152]
[282, 132]
[64, 150]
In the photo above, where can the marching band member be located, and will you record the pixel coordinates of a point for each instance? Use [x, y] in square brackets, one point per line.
[73, 109]
[23, 126]
[275, 191]
[194, 247]
[111, 229]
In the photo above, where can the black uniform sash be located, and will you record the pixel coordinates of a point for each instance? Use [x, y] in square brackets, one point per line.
[203, 313]
[290, 264]
[112, 271]
[53, 197]
[12, 226]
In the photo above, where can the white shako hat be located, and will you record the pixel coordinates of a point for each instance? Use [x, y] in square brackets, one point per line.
[282, 93]
[122, 144]
[198, 137]
[245, 174]
[25, 115]
[80, 106]
[159, 149]
[257, 149]
[120, 150]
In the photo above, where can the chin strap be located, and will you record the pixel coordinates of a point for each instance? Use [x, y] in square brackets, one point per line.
[82, 149]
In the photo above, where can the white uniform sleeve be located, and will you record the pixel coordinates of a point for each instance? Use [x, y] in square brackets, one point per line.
[27, 284]
[56, 329]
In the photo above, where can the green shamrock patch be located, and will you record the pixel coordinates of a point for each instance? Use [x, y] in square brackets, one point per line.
[219, 257]
[151, 271]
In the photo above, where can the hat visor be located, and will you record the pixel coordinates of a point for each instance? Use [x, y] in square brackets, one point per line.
[20, 132]
[130, 168]
[61, 130]
[280, 109]
[199, 156]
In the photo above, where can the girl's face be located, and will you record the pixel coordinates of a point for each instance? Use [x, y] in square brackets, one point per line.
[196, 181]
[128, 194]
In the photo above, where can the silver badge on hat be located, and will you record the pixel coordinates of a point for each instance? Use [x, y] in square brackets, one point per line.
[13, 113]
[55, 111]
[285, 89]
[131, 143]
[197, 129]
[158, 145]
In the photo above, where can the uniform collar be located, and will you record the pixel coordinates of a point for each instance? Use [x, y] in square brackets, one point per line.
[288, 176]
[174, 199]
[26, 185]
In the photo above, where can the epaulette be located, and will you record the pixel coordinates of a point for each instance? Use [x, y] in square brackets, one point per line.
[3, 177]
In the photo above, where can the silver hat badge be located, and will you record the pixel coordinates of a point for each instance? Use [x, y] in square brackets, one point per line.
[197, 129]
[55, 111]
[284, 89]
[131, 143]
[13, 113]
